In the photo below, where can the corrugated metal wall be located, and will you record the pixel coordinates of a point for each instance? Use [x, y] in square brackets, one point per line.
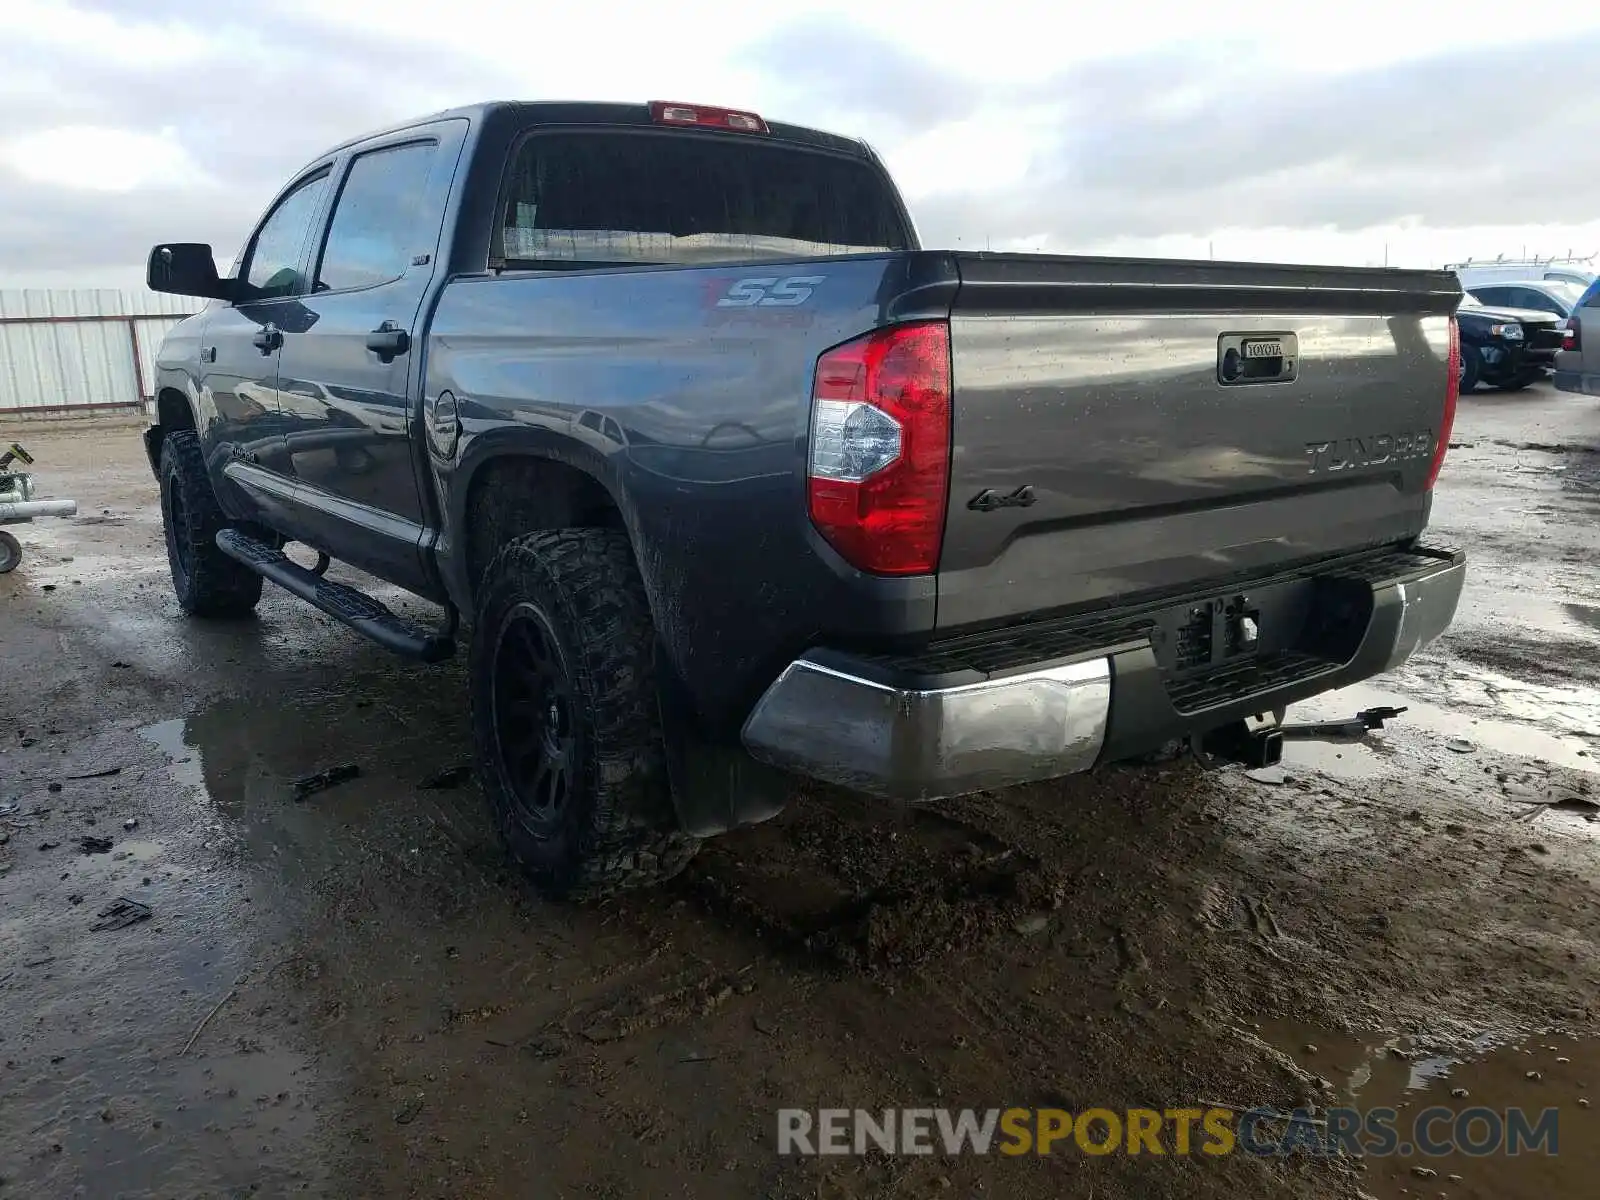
[81, 349]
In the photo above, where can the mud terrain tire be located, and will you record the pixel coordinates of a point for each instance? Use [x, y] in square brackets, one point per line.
[208, 583]
[566, 723]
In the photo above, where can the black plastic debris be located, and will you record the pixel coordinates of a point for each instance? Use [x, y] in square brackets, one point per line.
[105, 774]
[119, 914]
[450, 777]
[310, 785]
[90, 844]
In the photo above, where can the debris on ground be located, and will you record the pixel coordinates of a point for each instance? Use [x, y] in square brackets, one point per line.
[206, 1020]
[90, 844]
[409, 1111]
[119, 914]
[450, 777]
[321, 781]
[1274, 775]
[131, 824]
[1460, 746]
[109, 771]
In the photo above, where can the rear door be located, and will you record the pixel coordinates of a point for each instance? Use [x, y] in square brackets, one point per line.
[344, 380]
[239, 353]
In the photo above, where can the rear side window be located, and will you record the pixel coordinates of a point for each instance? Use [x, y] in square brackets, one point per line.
[379, 215]
[678, 197]
[280, 244]
[1537, 301]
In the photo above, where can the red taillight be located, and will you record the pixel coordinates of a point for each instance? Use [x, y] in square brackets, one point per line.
[669, 112]
[1571, 339]
[879, 468]
[1452, 393]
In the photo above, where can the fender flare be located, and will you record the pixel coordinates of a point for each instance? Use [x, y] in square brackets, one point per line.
[499, 445]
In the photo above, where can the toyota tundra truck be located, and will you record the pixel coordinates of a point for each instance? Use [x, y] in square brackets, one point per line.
[721, 478]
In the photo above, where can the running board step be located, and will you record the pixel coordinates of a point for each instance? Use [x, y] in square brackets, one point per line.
[339, 600]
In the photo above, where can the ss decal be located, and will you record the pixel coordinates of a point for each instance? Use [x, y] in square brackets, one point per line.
[770, 292]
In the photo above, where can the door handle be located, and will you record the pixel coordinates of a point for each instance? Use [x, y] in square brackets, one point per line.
[208, 355]
[268, 338]
[388, 341]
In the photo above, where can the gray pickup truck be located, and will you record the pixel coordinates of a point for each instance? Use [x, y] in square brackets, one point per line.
[731, 480]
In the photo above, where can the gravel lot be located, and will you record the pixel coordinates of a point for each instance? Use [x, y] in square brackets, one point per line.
[353, 995]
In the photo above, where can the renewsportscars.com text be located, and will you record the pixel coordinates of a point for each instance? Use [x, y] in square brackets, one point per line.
[1215, 1131]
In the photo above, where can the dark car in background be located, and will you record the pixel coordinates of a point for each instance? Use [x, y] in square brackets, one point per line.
[1506, 348]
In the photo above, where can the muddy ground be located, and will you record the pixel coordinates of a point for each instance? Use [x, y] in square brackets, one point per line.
[352, 994]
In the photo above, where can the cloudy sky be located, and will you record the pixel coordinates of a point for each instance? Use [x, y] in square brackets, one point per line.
[1314, 130]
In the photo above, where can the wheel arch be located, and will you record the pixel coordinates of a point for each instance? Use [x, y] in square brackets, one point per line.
[175, 410]
[524, 486]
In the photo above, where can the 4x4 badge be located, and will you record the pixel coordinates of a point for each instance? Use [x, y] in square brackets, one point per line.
[988, 500]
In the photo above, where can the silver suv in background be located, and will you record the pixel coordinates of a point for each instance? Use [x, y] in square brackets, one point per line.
[1578, 360]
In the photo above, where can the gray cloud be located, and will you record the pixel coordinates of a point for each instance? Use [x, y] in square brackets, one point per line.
[839, 69]
[1190, 141]
[1170, 141]
[286, 89]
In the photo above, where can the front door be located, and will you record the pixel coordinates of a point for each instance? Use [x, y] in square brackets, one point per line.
[344, 385]
[239, 352]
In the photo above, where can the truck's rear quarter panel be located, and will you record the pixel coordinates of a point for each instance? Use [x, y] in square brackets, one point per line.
[695, 415]
[1095, 384]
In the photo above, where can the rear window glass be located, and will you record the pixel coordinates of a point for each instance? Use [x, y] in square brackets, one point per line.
[675, 197]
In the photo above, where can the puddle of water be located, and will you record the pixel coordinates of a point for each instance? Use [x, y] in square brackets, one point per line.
[1505, 736]
[1354, 760]
[1491, 1073]
[1586, 614]
[239, 759]
[168, 736]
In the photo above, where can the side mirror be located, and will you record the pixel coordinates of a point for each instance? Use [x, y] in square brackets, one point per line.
[186, 269]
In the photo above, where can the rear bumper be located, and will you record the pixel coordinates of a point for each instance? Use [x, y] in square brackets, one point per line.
[1505, 361]
[869, 727]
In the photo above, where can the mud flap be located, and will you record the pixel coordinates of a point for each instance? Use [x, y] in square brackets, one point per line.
[715, 787]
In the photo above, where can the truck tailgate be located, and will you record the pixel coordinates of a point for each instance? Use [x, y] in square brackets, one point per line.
[1127, 427]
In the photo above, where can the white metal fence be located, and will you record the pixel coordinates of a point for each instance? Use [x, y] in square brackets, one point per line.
[80, 351]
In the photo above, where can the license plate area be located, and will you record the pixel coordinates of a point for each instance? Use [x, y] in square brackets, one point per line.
[1245, 358]
[1321, 617]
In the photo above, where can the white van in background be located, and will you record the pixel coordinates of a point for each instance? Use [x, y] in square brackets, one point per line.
[1476, 272]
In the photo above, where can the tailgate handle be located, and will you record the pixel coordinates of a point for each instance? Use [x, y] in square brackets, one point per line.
[1245, 358]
